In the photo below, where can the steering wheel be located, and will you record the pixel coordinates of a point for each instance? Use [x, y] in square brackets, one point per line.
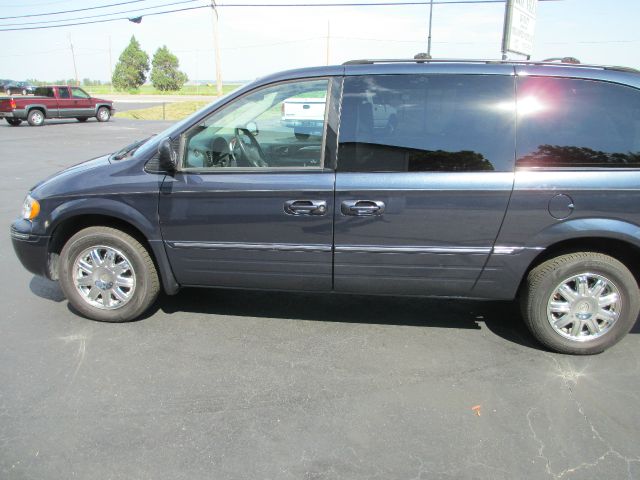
[251, 152]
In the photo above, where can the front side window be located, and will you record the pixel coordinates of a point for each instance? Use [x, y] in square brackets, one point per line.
[280, 126]
[78, 93]
[573, 123]
[63, 92]
[427, 123]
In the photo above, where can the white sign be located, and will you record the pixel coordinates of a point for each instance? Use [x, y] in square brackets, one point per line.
[520, 25]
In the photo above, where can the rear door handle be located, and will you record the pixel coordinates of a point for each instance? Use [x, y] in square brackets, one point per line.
[305, 207]
[362, 208]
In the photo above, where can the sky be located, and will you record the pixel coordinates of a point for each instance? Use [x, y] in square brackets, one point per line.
[256, 41]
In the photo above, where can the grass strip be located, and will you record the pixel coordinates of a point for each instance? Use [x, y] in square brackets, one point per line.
[172, 111]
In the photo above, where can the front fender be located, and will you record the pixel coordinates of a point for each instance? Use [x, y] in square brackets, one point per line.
[104, 206]
[98, 105]
[146, 224]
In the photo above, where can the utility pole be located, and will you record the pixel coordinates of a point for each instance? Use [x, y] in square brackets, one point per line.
[429, 39]
[505, 29]
[73, 55]
[328, 40]
[216, 47]
[110, 66]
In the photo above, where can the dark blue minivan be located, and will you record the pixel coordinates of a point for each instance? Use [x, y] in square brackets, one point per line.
[474, 179]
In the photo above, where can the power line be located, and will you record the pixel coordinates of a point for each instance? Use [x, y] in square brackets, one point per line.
[40, 22]
[71, 11]
[245, 5]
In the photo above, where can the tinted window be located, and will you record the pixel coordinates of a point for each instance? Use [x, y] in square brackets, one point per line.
[427, 123]
[577, 123]
[44, 92]
[63, 92]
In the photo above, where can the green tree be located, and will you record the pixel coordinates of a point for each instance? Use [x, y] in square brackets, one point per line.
[165, 74]
[132, 67]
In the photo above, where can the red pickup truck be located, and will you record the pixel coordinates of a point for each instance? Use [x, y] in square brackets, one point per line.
[59, 101]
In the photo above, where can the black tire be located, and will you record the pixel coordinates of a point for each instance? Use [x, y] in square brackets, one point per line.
[35, 117]
[146, 283]
[14, 122]
[103, 114]
[541, 285]
[82, 119]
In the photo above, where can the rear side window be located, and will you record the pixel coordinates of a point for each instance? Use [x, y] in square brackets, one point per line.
[572, 123]
[44, 92]
[427, 123]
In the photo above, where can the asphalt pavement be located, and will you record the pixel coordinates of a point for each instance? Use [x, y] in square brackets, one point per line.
[217, 384]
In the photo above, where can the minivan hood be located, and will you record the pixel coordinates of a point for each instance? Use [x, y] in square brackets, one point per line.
[74, 170]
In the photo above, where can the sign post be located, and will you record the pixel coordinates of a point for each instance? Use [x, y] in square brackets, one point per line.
[519, 27]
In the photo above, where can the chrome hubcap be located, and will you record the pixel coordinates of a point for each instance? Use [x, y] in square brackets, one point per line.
[104, 277]
[584, 307]
[103, 114]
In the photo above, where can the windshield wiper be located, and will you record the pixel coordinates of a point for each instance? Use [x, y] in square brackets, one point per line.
[128, 150]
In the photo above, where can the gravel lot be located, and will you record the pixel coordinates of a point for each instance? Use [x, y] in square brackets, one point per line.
[248, 385]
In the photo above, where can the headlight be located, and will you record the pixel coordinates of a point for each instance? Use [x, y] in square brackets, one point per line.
[30, 208]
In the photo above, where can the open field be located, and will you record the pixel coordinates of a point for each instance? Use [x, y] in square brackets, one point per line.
[150, 90]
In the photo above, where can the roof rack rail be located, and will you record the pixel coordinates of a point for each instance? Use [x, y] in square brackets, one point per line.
[487, 62]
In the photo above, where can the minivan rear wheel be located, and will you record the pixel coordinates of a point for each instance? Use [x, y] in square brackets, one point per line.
[107, 275]
[580, 303]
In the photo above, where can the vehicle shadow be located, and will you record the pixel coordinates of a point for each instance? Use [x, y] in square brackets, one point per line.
[47, 289]
[501, 318]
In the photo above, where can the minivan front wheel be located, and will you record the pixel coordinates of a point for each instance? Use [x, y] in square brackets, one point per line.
[580, 303]
[107, 275]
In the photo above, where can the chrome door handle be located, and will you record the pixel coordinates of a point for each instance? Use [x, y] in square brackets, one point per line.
[305, 207]
[362, 208]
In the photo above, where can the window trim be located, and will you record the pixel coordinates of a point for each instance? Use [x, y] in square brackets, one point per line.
[204, 170]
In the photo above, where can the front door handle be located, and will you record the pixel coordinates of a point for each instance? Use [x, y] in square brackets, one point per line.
[305, 207]
[362, 208]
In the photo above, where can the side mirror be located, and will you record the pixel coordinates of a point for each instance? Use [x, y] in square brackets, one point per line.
[253, 128]
[167, 157]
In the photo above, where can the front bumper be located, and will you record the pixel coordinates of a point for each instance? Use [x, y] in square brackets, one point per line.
[32, 250]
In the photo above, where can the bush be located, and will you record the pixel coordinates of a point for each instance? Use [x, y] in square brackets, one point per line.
[132, 67]
[165, 75]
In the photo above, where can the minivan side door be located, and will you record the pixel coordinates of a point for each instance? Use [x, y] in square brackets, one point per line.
[421, 193]
[252, 205]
